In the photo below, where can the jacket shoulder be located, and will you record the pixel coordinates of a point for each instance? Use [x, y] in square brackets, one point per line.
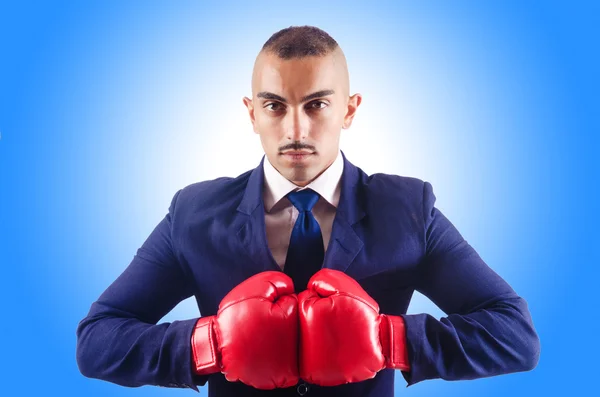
[395, 186]
[393, 191]
[211, 193]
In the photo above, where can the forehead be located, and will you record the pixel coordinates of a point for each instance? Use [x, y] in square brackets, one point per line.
[295, 78]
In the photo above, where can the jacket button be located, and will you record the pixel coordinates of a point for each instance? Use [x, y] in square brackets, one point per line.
[302, 389]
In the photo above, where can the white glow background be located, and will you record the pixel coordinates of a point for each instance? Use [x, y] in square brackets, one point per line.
[105, 112]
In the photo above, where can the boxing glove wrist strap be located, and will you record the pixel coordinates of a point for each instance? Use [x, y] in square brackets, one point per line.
[392, 333]
[204, 347]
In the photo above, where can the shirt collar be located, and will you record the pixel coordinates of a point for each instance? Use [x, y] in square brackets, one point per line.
[327, 184]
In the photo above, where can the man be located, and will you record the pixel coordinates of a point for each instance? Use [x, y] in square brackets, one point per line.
[303, 268]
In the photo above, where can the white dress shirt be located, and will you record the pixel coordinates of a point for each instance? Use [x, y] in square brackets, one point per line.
[280, 213]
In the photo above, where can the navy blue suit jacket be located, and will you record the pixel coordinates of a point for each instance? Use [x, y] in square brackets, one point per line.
[387, 234]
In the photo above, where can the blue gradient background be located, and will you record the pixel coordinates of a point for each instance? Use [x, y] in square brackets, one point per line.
[107, 110]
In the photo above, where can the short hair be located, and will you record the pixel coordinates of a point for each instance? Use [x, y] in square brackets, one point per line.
[300, 42]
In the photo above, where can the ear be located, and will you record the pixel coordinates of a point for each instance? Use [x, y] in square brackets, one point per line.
[250, 106]
[353, 104]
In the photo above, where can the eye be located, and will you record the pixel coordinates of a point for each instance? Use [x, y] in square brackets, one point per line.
[317, 105]
[273, 106]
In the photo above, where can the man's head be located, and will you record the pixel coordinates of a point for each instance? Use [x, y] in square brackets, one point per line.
[300, 101]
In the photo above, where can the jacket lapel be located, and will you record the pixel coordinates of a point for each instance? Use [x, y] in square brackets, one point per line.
[252, 233]
[345, 244]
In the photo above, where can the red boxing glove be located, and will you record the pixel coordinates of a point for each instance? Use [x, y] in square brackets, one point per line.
[254, 336]
[343, 338]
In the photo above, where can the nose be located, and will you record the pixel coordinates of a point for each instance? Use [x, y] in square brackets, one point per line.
[297, 126]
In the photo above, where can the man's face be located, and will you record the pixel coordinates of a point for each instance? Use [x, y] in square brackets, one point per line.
[298, 108]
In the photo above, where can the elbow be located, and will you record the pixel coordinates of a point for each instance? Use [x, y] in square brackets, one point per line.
[523, 342]
[529, 346]
[531, 355]
[84, 352]
[83, 363]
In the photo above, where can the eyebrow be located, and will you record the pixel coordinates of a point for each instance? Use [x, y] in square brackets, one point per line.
[275, 97]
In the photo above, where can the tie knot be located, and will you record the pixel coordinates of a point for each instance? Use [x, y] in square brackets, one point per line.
[304, 200]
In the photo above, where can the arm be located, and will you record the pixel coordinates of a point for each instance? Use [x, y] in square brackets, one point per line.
[488, 330]
[120, 341]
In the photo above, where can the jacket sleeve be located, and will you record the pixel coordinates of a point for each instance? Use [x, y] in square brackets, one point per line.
[120, 341]
[488, 329]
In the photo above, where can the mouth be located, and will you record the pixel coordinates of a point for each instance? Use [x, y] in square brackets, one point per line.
[297, 155]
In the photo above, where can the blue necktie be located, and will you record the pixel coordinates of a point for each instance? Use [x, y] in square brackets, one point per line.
[306, 252]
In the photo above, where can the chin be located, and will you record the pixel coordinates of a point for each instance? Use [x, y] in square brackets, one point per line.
[298, 175]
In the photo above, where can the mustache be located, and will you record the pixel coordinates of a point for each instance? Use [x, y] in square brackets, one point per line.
[297, 146]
